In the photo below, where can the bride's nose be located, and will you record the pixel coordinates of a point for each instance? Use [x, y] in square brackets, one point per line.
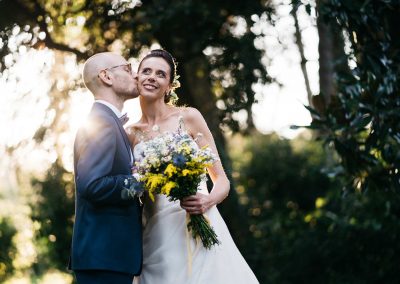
[151, 78]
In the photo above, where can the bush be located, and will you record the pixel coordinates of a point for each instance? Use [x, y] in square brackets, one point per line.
[304, 228]
[53, 211]
[7, 248]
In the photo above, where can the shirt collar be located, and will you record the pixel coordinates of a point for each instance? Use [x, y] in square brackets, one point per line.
[111, 106]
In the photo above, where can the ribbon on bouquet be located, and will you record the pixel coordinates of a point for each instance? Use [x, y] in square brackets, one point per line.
[189, 246]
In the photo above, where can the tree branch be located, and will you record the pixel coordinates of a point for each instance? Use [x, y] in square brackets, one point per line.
[299, 43]
[48, 41]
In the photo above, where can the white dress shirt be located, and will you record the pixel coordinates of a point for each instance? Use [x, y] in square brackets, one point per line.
[118, 114]
[111, 106]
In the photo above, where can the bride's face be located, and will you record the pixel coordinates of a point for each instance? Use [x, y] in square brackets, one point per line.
[154, 78]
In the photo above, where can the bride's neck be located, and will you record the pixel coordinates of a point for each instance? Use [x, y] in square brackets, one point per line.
[153, 112]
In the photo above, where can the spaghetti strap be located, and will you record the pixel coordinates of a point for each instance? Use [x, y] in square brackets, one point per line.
[181, 125]
[183, 130]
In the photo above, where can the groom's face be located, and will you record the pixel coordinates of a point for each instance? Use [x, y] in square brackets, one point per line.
[124, 80]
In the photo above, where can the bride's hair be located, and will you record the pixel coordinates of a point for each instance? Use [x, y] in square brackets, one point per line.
[171, 97]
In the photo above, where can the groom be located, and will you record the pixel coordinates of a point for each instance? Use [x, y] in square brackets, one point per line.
[107, 237]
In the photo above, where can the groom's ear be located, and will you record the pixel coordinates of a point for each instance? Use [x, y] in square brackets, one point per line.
[105, 77]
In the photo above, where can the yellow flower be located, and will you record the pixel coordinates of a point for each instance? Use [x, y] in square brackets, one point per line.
[186, 172]
[151, 195]
[170, 170]
[155, 181]
[186, 149]
[166, 189]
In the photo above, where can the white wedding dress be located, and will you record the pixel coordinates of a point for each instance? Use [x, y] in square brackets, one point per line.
[171, 256]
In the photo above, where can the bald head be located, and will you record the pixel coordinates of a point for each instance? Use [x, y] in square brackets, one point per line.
[95, 64]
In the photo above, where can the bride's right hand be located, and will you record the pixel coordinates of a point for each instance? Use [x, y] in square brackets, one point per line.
[196, 204]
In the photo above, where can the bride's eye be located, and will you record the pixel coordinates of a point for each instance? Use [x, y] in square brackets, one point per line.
[161, 74]
[146, 71]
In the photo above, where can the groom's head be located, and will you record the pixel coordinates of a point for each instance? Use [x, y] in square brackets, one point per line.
[108, 74]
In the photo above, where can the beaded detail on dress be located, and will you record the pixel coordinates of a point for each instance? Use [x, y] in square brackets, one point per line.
[145, 135]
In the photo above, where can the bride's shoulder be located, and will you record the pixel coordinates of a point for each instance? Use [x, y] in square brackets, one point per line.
[135, 132]
[193, 121]
[191, 114]
[132, 128]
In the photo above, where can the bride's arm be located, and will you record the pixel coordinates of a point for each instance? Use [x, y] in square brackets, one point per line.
[200, 203]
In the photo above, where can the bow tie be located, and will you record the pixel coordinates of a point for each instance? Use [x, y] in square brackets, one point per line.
[124, 119]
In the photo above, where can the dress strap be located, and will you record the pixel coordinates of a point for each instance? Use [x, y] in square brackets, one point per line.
[181, 125]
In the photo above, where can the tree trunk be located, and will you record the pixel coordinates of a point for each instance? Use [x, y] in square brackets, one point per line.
[332, 59]
[326, 61]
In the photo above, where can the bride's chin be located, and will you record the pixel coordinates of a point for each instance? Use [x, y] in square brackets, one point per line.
[146, 95]
[149, 96]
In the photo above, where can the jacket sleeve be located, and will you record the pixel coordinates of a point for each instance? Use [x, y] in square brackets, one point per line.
[95, 149]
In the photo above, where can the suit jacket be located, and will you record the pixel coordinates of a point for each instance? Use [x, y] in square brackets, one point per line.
[107, 231]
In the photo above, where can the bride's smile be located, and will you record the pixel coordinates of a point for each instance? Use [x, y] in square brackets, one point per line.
[149, 87]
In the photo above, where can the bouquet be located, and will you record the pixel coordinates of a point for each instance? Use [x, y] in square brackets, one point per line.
[173, 165]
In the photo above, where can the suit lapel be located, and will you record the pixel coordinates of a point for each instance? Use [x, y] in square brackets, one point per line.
[120, 127]
[124, 136]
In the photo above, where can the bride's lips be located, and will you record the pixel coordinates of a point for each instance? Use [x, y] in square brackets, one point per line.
[149, 87]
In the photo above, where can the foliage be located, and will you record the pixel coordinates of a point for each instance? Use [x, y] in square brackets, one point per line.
[363, 119]
[278, 181]
[303, 229]
[7, 248]
[53, 214]
[352, 239]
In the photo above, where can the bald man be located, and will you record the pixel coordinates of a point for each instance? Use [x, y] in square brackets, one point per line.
[107, 237]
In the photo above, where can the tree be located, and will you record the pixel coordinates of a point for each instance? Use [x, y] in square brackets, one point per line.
[216, 53]
[362, 119]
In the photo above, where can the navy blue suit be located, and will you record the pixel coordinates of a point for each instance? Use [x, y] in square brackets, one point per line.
[107, 232]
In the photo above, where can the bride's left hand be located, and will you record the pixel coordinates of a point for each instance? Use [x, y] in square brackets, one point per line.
[196, 204]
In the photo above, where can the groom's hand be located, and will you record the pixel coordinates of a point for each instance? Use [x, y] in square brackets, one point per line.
[196, 204]
[133, 188]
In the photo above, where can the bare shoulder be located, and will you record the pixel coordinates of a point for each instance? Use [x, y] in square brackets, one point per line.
[194, 121]
[133, 131]
[191, 115]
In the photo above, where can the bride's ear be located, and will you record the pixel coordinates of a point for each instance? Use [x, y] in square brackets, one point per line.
[105, 78]
[168, 91]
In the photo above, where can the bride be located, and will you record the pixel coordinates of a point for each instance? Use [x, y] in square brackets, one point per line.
[170, 254]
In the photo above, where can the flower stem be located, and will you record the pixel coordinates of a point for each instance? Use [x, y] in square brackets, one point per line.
[201, 228]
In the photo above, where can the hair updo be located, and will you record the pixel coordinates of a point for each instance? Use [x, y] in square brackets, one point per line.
[171, 97]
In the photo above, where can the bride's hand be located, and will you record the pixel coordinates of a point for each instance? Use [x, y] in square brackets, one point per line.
[196, 204]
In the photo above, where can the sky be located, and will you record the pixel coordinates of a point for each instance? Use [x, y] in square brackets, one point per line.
[282, 104]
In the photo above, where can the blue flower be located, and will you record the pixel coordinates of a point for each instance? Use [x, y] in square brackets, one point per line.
[179, 160]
